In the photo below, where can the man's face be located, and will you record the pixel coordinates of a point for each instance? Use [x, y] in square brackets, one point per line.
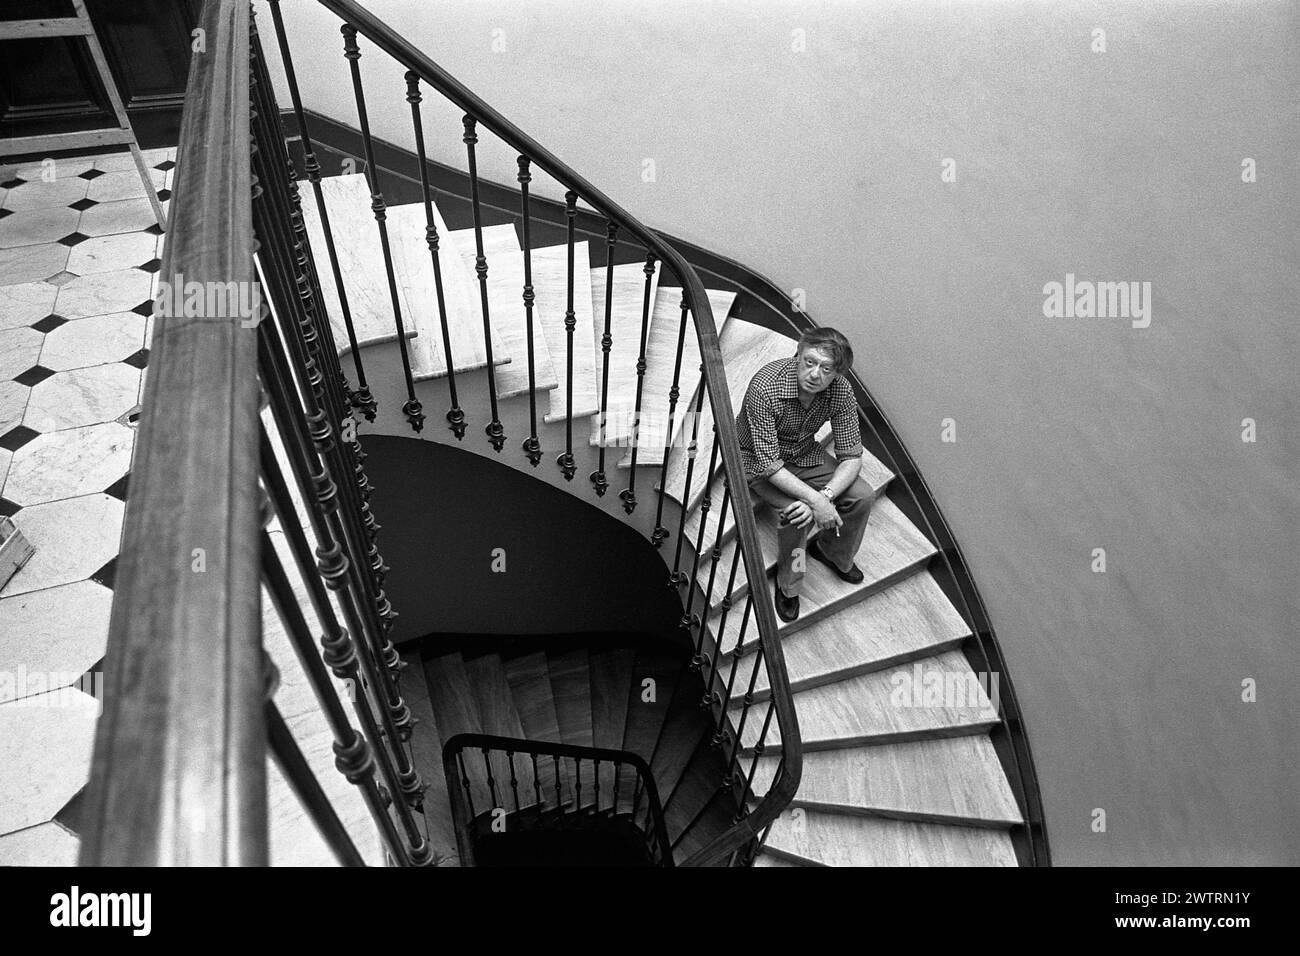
[815, 368]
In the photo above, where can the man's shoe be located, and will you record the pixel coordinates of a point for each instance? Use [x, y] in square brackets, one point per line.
[853, 575]
[787, 608]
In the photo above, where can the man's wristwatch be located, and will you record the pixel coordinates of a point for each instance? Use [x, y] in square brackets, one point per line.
[830, 495]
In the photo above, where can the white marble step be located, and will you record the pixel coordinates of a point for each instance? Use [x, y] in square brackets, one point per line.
[833, 839]
[952, 780]
[361, 262]
[909, 619]
[768, 860]
[414, 267]
[892, 548]
[661, 356]
[550, 286]
[626, 308]
[745, 349]
[939, 696]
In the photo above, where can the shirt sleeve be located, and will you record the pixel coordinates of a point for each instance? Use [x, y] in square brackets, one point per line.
[844, 423]
[760, 416]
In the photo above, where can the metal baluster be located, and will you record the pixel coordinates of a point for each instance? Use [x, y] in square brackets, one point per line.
[465, 784]
[412, 408]
[744, 710]
[688, 621]
[537, 787]
[361, 398]
[568, 466]
[559, 800]
[495, 430]
[678, 576]
[606, 343]
[719, 734]
[491, 781]
[628, 494]
[715, 557]
[618, 772]
[595, 778]
[674, 393]
[577, 800]
[455, 415]
[303, 344]
[532, 446]
[514, 782]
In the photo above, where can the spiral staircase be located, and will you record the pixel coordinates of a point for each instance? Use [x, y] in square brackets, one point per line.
[878, 728]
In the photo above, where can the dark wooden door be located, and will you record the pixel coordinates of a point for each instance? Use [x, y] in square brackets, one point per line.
[49, 84]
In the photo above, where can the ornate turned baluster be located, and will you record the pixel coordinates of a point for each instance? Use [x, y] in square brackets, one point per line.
[491, 781]
[606, 343]
[690, 621]
[628, 494]
[465, 784]
[412, 409]
[568, 466]
[455, 415]
[559, 801]
[495, 430]
[715, 557]
[660, 532]
[514, 781]
[678, 576]
[532, 446]
[361, 398]
[537, 787]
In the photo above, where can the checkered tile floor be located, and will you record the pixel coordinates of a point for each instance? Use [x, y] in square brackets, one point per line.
[79, 257]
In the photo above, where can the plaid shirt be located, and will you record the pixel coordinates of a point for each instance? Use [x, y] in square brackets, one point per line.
[776, 430]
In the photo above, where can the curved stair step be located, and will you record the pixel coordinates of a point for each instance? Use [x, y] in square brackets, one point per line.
[361, 262]
[530, 689]
[414, 268]
[956, 780]
[716, 816]
[625, 335]
[550, 286]
[902, 703]
[456, 712]
[910, 619]
[426, 754]
[497, 716]
[611, 673]
[769, 860]
[891, 549]
[570, 673]
[684, 726]
[834, 839]
[746, 348]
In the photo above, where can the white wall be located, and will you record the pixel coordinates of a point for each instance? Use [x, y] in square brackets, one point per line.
[821, 169]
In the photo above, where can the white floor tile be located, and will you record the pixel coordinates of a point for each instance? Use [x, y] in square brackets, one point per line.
[43, 195]
[19, 350]
[32, 263]
[60, 630]
[125, 215]
[45, 748]
[102, 293]
[46, 844]
[124, 185]
[111, 253]
[38, 225]
[94, 341]
[73, 538]
[69, 463]
[84, 396]
[13, 404]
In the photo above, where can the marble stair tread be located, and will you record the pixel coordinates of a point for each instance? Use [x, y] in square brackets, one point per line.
[571, 688]
[952, 780]
[897, 704]
[661, 359]
[426, 753]
[361, 262]
[611, 673]
[649, 695]
[456, 712]
[834, 839]
[685, 725]
[497, 716]
[715, 818]
[746, 348]
[550, 286]
[891, 549]
[906, 620]
[530, 688]
[625, 304]
[768, 860]
[460, 295]
[696, 789]
[872, 471]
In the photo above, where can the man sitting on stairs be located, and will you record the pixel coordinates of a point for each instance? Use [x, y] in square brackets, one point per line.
[787, 402]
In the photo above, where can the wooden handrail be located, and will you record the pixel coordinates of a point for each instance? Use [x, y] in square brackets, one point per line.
[179, 769]
[783, 788]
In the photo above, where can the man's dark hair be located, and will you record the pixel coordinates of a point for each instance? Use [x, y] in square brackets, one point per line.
[833, 341]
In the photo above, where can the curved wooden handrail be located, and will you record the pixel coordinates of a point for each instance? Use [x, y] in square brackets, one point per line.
[179, 769]
[782, 790]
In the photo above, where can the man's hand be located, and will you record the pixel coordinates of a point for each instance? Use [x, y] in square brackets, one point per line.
[819, 510]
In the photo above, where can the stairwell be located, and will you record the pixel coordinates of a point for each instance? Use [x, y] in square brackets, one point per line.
[899, 767]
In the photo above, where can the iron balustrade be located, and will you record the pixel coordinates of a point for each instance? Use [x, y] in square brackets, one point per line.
[551, 803]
